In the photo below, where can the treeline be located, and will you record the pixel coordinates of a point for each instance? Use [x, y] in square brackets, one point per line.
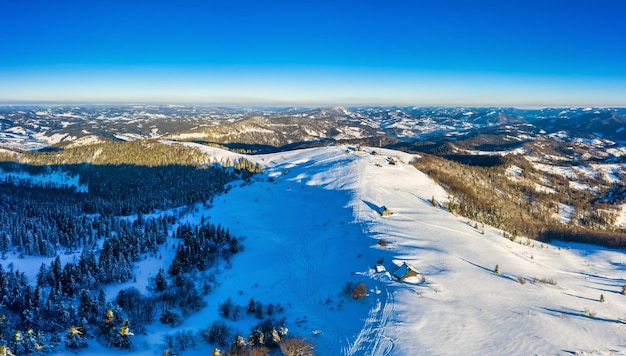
[150, 153]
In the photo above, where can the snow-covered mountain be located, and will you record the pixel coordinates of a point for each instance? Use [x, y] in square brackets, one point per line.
[312, 224]
[33, 128]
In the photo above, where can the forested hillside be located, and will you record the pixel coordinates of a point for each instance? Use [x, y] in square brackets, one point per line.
[107, 228]
[522, 201]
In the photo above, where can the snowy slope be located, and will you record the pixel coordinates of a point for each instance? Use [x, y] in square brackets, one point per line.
[315, 227]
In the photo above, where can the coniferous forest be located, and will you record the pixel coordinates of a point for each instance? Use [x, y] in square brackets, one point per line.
[126, 212]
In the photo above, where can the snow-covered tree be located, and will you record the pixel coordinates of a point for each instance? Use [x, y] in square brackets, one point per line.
[27, 342]
[74, 338]
[123, 338]
[5, 351]
[108, 323]
[256, 338]
[160, 281]
[275, 337]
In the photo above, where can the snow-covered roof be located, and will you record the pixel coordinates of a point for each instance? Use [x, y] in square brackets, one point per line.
[405, 271]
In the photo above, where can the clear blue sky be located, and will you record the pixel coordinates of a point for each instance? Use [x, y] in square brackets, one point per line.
[505, 52]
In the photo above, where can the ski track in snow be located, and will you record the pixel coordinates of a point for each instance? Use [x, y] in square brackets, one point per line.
[372, 340]
[296, 262]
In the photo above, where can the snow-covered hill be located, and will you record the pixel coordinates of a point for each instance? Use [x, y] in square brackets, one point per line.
[312, 224]
[319, 229]
[315, 227]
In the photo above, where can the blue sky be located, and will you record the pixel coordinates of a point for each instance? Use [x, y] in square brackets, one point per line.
[501, 53]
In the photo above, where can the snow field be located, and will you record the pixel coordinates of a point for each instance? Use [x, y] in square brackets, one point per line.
[462, 305]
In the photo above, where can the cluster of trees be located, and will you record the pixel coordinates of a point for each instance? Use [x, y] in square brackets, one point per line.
[515, 205]
[39, 221]
[247, 168]
[268, 334]
[201, 247]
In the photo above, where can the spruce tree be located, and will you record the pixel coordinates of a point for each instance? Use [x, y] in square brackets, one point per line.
[160, 281]
[123, 338]
[74, 338]
[5, 351]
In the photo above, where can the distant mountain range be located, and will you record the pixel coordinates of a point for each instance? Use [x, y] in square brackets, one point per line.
[272, 129]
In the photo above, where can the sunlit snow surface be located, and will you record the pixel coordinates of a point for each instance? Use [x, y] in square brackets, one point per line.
[315, 226]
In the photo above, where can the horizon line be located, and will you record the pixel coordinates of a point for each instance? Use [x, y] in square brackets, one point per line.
[43, 103]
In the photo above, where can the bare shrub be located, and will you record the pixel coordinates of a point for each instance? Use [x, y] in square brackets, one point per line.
[259, 351]
[226, 307]
[170, 318]
[549, 281]
[296, 347]
[589, 313]
[357, 291]
[217, 333]
[360, 291]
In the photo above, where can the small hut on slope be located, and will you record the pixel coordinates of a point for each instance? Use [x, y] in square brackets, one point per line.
[405, 271]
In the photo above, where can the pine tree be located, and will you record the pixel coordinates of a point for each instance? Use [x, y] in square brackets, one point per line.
[239, 345]
[160, 281]
[123, 338]
[74, 338]
[18, 343]
[5, 327]
[259, 309]
[255, 338]
[5, 351]
[251, 306]
[31, 341]
[275, 337]
[107, 325]
[496, 270]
